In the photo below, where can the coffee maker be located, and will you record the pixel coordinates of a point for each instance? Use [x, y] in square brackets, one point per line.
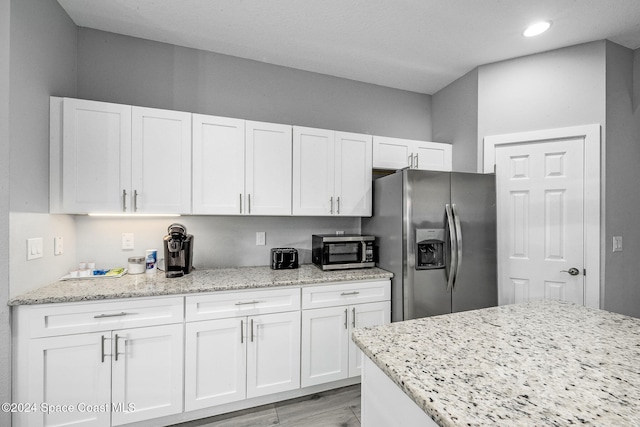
[178, 251]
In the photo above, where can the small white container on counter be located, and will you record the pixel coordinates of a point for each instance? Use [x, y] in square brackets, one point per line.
[137, 265]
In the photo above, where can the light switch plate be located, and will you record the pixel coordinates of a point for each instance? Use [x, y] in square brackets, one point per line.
[127, 241]
[617, 243]
[58, 245]
[34, 248]
[261, 238]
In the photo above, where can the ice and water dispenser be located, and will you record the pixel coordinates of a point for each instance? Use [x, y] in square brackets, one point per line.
[430, 247]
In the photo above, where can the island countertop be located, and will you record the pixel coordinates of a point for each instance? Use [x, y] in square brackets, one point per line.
[543, 363]
[211, 280]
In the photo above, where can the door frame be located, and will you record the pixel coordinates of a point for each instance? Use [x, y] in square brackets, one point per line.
[591, 136]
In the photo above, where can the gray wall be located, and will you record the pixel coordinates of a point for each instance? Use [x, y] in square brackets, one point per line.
[43, 63]
[129, 70]
[455, 120]
[621, 290]
[5, 330]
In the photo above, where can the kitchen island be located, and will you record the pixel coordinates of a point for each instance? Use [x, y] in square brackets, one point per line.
[543, 363]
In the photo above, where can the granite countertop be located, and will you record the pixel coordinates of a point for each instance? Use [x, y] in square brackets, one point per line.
[542, 363]
[219, 279]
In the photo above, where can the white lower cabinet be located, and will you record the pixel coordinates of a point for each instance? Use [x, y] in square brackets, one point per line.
[328, 353]
[254, 353]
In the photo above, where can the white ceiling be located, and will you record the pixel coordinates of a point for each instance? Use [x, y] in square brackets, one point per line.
[416, 45]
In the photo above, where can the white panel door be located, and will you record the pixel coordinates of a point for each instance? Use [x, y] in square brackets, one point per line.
[68, 370]
[161, 161]
[96, 156]
[353, 174]
[215, 362]
[313, 171]
[147, 372]
[325, 353]
[540, 194]
[218, 165]
[391, 153]
[362, 316]
[273, 353]
[433, 156]
[268, 169]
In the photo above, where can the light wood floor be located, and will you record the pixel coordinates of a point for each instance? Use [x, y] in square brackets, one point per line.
[339, 408]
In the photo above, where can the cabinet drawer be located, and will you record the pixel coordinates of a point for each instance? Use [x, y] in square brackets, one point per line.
[345, 293]
[63, 319]
[241, 303]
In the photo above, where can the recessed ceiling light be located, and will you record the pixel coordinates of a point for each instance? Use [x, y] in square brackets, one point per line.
[537, 28]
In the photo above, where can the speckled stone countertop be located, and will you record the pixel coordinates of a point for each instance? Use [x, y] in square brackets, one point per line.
[221, 279]
[543, 363]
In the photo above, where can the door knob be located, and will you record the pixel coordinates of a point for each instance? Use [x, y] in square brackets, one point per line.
[572, 271]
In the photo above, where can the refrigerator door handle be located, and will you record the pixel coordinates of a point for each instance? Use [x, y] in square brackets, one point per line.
[456, 219]
[453, 248]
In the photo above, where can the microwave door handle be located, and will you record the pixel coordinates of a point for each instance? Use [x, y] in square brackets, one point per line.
[452, 247]
[364, 252]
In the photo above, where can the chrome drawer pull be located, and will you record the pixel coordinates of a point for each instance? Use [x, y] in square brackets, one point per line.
[102, 316]
[350, 293]
[249, 302]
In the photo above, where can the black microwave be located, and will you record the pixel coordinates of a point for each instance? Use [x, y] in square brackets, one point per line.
[342, 251]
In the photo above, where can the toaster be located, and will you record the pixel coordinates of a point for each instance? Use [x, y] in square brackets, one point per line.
[284, 258]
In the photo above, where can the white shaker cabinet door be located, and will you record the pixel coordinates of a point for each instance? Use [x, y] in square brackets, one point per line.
[268, 169]
[313, 171]
[69, 370]
[90, 156]
[215, 362]
[391, 153]
[325, 353]
[218, 165]
[362, 316]
[433, 156]
[161, 161]
[147, 373]
[353, 174]
[273, 353]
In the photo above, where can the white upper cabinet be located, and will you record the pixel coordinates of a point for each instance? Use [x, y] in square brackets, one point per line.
[116, 158]
[396, 153]
[241, 167]
[331, 173]
[268, 169]
[90, 154]
[218, 165]
[161, 161]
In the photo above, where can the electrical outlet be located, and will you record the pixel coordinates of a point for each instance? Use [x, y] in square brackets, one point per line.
[127, 242]
[617, 243]
[34, 248]
[261, 238]
[58, 245]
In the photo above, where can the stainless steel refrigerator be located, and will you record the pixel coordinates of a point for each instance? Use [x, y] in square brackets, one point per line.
[436, 231]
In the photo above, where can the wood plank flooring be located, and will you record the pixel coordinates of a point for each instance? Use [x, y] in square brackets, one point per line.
[339, 408]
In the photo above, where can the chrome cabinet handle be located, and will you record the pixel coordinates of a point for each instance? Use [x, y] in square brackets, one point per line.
[411, 161]
[417, 162]
[124, 200]
[242, 332]
[135, 200]
[249, 203]
[353, 320]
[331, 204]
[248, 302]
[116, 352]
[350, 293]
[251, 330]
[103, 354]
[346, 318]
[572, 271]
[338, 205]
[240, 202]
[102, 316]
